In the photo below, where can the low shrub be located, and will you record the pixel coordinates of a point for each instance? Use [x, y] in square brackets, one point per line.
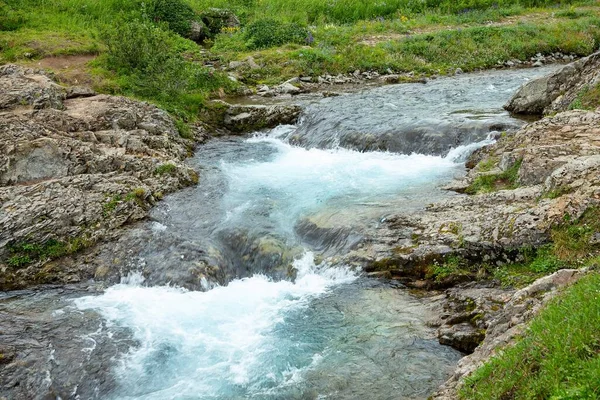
[265, 33]
[176, 14]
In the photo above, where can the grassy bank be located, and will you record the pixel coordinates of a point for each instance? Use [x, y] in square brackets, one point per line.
[141, 51]
[558, 357]
[570, 247]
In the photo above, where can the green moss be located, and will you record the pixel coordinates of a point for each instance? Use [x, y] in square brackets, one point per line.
[573, 239]
[167, 168]
[184, 129]
[493, 182]
[111, 204]
[487, 165]
[26, 253]
[587, 99]
[558, 192]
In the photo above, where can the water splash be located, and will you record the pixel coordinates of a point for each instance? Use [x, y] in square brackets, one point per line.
[215, 344]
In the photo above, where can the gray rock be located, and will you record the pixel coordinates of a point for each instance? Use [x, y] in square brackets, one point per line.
[390, 79]
[506, 324]
[239, 119]
[252, 63]
[80, 91]
[555, 92]
[288, 88]
[77, 169]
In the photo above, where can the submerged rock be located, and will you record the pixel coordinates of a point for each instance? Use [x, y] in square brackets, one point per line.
[556, 92]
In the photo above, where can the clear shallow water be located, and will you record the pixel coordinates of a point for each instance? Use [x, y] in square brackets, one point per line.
[254, 332]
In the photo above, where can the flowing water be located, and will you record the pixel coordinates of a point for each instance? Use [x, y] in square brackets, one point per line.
[225, 294]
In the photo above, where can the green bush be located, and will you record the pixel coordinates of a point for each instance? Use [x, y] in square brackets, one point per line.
[149, 67]
[11, 19]
[265, 33]
[138, 46]
[177, 14]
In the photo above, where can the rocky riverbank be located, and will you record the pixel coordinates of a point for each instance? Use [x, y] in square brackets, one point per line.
[519, 190]
[76, 167]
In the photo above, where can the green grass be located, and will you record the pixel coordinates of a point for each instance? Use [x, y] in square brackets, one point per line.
[558, 357]
[570, 247]
[587, 99]
[25, 253]
[162, 169]
[346, 35]
[344, 49]
[491, 182]
[315, 12]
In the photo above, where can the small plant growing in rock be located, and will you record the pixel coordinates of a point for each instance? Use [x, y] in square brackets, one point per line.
[165, 169]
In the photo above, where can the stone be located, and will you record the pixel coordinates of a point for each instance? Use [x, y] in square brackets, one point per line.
[235, 64]
[505, 325]
[252, 63]
[390, 79]
[239, 119]
[62, 160]
[288, 88]
[556, 92]
[198, 31]
[214, 20]
[74, 92]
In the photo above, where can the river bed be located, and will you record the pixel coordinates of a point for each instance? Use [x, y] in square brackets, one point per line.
[231, 290]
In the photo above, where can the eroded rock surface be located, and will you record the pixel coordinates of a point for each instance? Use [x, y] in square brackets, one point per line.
[559, 176]
[74, 167]
[506, 323]
[239, 119]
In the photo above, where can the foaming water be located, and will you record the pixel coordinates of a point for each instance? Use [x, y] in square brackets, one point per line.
[217, 344]
[296, 180]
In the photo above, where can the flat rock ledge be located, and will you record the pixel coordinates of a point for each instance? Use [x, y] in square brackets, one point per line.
[74, 168]
[238, 119]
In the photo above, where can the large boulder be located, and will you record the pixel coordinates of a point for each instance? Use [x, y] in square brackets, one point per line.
[216, 19]
[556, 92]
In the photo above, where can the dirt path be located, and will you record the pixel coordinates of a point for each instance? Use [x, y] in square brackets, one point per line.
[70, 70]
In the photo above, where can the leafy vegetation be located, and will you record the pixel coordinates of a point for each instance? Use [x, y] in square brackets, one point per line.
[558, 357]
[269, 33]
[587, 99]
[144, 53]
[149, 66]
[571, 247]
[315, 12]
[165, 169]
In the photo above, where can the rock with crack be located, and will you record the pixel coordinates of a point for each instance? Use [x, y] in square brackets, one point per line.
[239, 119]
[506, 325]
